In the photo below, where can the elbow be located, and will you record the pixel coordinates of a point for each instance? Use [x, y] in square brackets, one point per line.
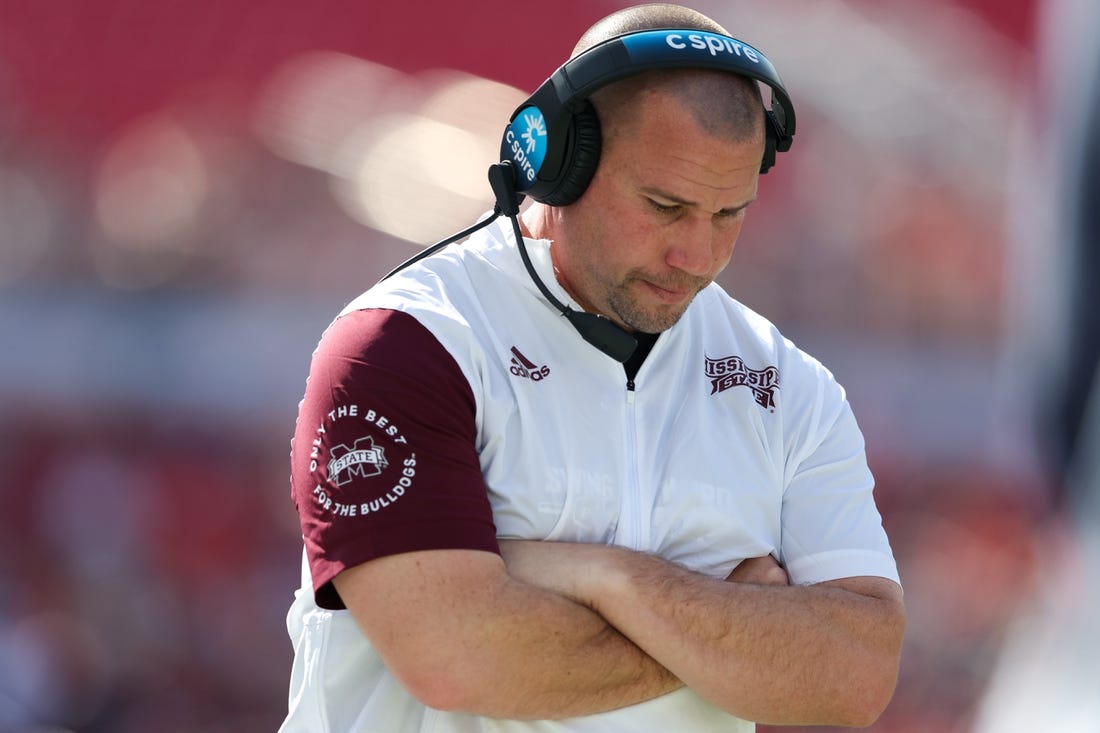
[867, 705]
[866, 708]
[859, 702]
[457, 689]
[443, 689]
[872, 689]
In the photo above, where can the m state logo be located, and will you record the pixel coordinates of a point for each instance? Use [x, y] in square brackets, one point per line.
[363, 459]
[364, 474]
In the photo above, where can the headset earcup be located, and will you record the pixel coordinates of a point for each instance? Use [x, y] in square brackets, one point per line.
[581, 165]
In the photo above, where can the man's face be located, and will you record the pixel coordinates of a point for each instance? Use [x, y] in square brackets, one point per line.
[659, 220]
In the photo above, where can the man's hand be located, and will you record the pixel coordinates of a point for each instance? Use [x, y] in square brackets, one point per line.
[562, 567]
[553, 566]
[764, 570]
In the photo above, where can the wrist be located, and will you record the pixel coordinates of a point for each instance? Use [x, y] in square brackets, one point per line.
[608, 574]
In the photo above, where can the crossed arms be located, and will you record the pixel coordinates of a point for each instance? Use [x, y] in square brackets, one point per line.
[555, 630]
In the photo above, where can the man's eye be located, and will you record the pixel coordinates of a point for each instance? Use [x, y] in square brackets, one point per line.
[662, 209]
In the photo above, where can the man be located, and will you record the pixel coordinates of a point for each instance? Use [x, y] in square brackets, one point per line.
[506, 531]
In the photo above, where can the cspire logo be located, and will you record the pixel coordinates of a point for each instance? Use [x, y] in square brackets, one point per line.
[525, 142]
[648, 44]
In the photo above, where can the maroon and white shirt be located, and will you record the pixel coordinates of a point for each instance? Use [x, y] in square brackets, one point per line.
[451, 405]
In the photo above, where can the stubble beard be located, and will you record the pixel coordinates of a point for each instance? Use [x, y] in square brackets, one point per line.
[656, 318]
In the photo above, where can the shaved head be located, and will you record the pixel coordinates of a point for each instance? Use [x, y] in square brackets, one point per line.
[725, 105]
[653, 16]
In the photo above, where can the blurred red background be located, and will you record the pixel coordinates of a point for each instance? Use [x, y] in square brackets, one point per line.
[189, 191]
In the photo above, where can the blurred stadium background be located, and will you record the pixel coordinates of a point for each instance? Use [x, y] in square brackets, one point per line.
[189, 191]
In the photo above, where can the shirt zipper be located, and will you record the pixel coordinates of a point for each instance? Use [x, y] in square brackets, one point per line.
[630, 532]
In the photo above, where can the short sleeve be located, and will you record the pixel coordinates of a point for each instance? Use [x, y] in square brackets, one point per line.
[831, 527]
[383, 459]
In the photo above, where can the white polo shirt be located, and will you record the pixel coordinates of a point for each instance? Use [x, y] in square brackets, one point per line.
[454, 388]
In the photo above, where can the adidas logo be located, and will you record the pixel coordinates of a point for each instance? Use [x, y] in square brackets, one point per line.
[524, 367]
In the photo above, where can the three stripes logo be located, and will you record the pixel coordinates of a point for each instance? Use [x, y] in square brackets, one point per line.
[524, 367]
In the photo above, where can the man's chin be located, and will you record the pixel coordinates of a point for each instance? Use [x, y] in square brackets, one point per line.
[653, 322]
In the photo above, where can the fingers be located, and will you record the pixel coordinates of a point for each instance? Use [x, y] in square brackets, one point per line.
[764, 570]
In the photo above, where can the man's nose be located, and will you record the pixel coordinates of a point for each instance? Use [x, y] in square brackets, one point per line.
[692, 248]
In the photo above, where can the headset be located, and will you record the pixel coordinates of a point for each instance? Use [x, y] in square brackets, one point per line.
[551, 145]
[553, 137]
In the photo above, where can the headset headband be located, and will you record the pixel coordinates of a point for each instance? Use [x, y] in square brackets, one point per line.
[541, 140]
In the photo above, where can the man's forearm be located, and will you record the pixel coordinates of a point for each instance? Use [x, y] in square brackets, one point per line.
[808, 655]
[567, 661]
[460, 634]
[811, 655]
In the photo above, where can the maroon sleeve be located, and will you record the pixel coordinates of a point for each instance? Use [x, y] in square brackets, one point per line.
[383, 459]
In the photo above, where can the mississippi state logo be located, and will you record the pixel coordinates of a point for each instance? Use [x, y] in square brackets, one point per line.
[361, 462]
[731, 371]
[363, 459]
